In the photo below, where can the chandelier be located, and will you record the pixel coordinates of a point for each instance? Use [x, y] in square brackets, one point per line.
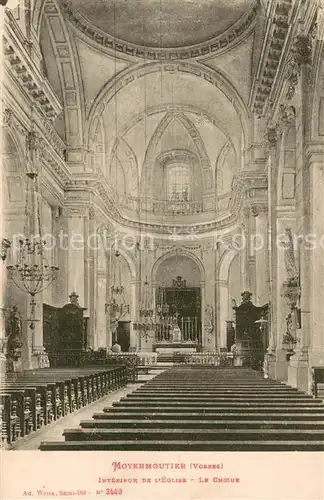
[162, 308]
[117, 307]
[30, 271]
[146, 310]
[146, 324]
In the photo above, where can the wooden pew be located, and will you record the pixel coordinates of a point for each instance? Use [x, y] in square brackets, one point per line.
[34, 398]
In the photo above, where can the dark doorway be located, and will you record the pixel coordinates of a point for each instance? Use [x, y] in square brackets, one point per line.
[123, 335]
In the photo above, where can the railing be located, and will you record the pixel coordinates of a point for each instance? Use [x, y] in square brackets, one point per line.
[189, 326]
[214, 358]
[177, 207]
[169, 207]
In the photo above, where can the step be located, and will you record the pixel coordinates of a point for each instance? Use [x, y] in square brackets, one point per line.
[168, 391]
[175, 390]
[194, 434]
[202, 386]
[217, 404]
[248, 414]
[203, 394]
[199, 424]
[120, 407]
[202, 399]
[179, 445]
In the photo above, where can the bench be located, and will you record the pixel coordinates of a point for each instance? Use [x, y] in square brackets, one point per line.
[33, 398]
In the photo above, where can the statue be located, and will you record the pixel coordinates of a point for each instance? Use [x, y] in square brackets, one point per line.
[14, 339]
[290, 263]
[175, 331]
[209, 317]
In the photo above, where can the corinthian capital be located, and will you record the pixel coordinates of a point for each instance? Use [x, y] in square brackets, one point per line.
[271, 137]
[34, 142]
[303, 50]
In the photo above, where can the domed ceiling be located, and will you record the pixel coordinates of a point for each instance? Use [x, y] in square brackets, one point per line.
[163, 23]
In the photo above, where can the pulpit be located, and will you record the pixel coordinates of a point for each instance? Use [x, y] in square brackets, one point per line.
[250, 339]
[66, 346]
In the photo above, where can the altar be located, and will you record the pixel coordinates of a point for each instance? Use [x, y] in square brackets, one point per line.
[167, 347]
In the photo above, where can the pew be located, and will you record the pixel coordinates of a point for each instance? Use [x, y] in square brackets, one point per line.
[204, 408]
[33, 398]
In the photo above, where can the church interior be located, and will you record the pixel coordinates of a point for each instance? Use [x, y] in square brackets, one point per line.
[162, 233]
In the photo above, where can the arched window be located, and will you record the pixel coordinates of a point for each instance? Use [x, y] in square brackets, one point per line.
[179, 183]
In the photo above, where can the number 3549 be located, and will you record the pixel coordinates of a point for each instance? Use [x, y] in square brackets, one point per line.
[114, 491]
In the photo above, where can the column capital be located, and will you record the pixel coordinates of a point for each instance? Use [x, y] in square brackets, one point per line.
[221, 283]
[258, 209]
[75, 211]
[303, 49]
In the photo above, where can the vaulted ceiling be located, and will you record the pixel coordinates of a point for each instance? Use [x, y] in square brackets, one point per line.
[163, 23]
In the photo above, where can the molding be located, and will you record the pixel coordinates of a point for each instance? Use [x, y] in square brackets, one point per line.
[222, 43]
[69, 73]
[212, 76]
[51, 152]
[25, 73]
[148, 165]
[276, 32]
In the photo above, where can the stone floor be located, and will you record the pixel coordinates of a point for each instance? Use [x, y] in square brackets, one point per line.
[54, 431]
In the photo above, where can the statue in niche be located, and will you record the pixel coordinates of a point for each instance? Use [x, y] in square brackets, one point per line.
[290, 262]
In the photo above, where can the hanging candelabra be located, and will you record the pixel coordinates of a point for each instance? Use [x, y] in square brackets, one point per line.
[145, 325]
[30, 271]
[116, 307]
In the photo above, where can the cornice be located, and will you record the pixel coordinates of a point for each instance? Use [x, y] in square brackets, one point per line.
[18, 63]
[221, 43]
[274, 42]
[51, 147]
[314, 153]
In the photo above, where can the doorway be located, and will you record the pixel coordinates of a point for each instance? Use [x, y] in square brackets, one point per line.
[123, 335]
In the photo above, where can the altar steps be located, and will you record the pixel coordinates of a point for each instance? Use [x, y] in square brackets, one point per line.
[215, 423]
[183, 445]
[227, 416]
[185, 409]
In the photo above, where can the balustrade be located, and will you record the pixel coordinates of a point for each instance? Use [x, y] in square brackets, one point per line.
[189, 326]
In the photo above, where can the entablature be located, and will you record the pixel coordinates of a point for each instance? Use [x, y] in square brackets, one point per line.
[18, 63]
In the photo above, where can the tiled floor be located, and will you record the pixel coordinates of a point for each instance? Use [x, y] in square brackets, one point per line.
[54, 431]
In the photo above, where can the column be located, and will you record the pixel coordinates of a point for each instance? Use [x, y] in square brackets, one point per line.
[272, 169]
[261, 255]
[243, 255]
[222, 316]
[204, 337]
[299, 372]
[74, 223]
[317, 279]
[251, 231]
[135, 341]
[100, 339]
[90, 277]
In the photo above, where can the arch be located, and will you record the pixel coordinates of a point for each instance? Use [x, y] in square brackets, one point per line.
[147, 178]
[225, 263]
[109, 243]
[132, 161]
[97, 141]
[37, 15]
[175, 253]
[67, 65]
[212, 76]
[174, 108]
[226, 150]
[129, 261]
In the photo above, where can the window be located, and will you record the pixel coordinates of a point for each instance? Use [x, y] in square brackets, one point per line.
[179, 183]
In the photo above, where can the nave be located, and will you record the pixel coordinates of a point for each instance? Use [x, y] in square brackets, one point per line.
[202, 409]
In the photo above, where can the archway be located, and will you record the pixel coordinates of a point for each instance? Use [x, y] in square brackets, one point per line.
[179, 297]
